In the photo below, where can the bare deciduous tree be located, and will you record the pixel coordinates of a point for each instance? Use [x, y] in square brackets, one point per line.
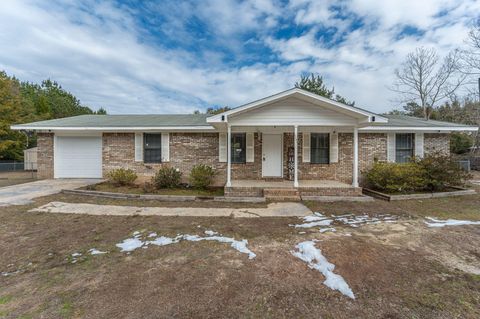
[471, 56]
[424, 79]
[471, 67]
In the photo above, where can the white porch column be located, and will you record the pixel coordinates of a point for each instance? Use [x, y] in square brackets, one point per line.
[355, 157]
[229, 155]
[295, 160]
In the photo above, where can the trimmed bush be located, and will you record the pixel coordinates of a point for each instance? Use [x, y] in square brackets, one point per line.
[395, 178]
[167, 177]
[434, 172]
[201, 176]
[441, 171]
[122, 177]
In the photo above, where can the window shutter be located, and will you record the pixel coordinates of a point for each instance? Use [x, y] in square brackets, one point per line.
[222, 147]
[138, 147]
[165, 147]
[419, 145]
[306, 148]
[333, 147]
[250, 156]
[391, 147]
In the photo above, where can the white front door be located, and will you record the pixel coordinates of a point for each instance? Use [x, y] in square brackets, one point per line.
[272, 155]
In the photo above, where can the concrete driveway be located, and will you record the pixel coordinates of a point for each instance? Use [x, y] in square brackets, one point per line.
[22, 194]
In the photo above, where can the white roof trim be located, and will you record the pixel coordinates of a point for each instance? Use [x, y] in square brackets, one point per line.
[116, 129]
[416, 128]
[218, 117]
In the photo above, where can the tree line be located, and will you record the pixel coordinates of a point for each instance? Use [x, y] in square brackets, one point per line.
[23, 102]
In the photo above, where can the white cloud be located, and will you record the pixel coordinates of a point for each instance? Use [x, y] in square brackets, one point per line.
[98, 52]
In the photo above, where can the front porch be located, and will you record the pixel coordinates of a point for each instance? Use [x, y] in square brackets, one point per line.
[286, 190]
[308, 143]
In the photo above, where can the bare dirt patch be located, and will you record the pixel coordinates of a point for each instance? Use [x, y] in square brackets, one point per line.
[393, 269]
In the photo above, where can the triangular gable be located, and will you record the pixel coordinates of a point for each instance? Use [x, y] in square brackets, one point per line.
[362, 116]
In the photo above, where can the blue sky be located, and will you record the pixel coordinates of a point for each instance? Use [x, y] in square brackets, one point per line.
[179, 56]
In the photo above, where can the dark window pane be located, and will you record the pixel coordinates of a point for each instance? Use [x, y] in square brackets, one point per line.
[153, 140]
[239, 148]
[153, 156]
[404, 147]
[152, 148]
[320, 148]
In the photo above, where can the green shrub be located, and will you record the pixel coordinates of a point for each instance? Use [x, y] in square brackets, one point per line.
[395, 178]
[434, 172]
[201, 176]
[460, 143]
[167, 177]
[122, 177]
[440, 171]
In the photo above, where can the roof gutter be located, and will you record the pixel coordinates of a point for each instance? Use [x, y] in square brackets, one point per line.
[115, 129]
[416, 128]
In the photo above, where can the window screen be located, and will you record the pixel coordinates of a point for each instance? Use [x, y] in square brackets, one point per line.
[320, 148]
[403, 147]
[152, 148]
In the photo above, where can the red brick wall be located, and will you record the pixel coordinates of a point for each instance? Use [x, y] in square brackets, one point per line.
[435, 142]
[45, 155]
[189, 149]
[186, 150]
[249, 170]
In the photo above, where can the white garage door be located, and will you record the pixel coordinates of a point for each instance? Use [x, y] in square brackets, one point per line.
[78, 157]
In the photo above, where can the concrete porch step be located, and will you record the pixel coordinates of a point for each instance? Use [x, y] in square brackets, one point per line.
[281, 194]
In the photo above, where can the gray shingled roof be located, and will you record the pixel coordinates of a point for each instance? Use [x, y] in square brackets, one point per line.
[403, 120]
[178, 120]
[150, 120]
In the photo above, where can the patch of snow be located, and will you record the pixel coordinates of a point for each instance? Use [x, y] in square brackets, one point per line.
[163, 241]
[302, 232]
[323, 230]
[130, 244]
[94, 251]
[449, 222]
[354, 221]
[240, 245]
[76, 255]
[6, 273]
[307, 252]
[315, 217]
[152, 235]
[325, 222]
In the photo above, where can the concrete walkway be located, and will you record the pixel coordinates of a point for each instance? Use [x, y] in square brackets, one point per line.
[272, 210]
[22, 194]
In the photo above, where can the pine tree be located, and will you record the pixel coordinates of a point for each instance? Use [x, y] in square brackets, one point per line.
[314, 83]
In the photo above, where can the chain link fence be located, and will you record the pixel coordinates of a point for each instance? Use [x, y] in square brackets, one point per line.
[469, 162]
[15, 172]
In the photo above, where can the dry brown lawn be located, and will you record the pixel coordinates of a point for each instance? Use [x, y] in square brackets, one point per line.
[398, 270]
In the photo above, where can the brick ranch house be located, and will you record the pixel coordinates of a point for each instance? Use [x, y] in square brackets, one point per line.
[293, 140]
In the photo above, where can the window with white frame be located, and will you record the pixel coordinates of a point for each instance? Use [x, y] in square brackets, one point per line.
[152, 148]
[404, 148]
[320, 148]
[239, 148]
